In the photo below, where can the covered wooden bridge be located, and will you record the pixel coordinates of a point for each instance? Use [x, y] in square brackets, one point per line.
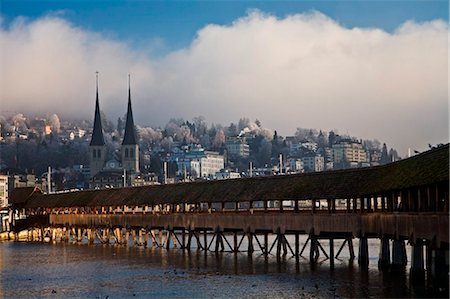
[404, 200]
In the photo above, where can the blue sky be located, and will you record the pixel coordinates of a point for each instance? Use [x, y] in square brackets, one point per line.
[175, 23]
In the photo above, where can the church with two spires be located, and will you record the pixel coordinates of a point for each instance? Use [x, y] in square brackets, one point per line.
[119, 171]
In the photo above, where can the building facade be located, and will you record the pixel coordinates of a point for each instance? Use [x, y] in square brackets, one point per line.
[313, 163]
[97, 146]
[237, 147]
[100, 163]
[349, 152]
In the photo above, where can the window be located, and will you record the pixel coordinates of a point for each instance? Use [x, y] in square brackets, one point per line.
[131, 153]
[94, 154]
[126, 153]
[99, 153]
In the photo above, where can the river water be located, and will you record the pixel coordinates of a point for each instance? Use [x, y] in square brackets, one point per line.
[107, 271]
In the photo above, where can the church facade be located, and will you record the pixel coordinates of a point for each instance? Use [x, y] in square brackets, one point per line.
[102, 175]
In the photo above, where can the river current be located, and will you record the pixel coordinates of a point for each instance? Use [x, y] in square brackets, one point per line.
[35, 270]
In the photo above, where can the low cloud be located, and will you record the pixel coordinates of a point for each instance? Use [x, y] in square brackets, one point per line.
[304, 70]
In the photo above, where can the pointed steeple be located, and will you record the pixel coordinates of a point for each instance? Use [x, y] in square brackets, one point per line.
[97, 133]
[129, 137]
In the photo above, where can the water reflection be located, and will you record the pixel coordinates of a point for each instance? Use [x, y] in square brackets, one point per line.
[36, 270]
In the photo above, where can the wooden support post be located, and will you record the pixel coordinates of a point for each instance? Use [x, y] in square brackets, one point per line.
[279, 242]
[296, 206]
[363, 256]
[161, 238]
[205, 239]
[265, 205]
[313, 207]
[190, 234]
[297, 244]
[350, 248]
[199, 244]
[399, 258]
[284, 242]
[183, 239]
[313, 249]
[393, 202]
[141, 239]
[384, 260]
[417, 271]
[168, 239]
[436, 199]
[133, 236]
[146, 238]
[250, 243]
[429, 199]
[91, 236]
[331, 252]
[266, 243]
[235, 236]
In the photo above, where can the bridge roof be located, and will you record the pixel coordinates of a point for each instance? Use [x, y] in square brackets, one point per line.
[424, 169]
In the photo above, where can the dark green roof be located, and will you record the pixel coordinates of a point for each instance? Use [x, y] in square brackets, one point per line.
[421, 170]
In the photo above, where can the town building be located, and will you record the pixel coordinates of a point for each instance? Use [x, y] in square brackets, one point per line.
[211, 163]
[295, 165]
[348, 152]
[313, 163]
[237, 147]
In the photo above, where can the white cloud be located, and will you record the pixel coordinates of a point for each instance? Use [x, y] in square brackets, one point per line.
[304, 70]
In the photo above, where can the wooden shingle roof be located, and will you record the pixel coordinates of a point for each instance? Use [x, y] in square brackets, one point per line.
[20, 196]
[424, 169]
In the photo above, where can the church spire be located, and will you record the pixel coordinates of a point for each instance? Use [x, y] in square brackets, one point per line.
[97, 133]
[129, 137]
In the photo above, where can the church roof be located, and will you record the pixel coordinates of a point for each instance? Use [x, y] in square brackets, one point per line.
[129, 137]
[97, 133]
